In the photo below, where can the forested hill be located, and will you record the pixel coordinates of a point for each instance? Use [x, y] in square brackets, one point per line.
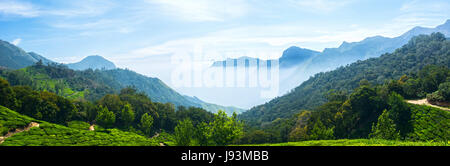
[420, 51]
[93, 84]
[160, 92]
[15, 58]
[90, 79]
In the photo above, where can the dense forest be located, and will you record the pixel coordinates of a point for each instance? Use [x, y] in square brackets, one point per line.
[128, 111]
[370, 111]
[359, 101]
[420, 51]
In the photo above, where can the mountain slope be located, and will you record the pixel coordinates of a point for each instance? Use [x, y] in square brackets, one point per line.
[93, 84]
[347, 52]
[419, 52]
[160, 92]
[371, 47]
[13, 57]
[295, 55]
[92, 62]
[88, 84]
[300, 66]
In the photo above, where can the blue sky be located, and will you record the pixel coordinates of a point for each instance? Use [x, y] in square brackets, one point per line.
[137, 33]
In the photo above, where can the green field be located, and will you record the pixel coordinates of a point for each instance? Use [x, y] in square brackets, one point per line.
[355, 142]
[49, 134]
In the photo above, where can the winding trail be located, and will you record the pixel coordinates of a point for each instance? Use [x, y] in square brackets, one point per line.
[9, 134]
[425, 102]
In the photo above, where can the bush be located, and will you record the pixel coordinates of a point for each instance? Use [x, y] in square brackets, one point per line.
[429, 123]
[444, 91]
[80, 125]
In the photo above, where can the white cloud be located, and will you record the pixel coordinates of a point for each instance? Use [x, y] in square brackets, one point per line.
[16, 41]
[425, 13]
[68, 8]
[417, 13]
[317, 6]
[202, 10]
[252, 41]
[18, 9]
[86, 8]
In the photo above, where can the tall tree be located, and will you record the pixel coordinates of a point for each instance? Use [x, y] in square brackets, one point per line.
[224, 130]
[184, 133]
[7, 95]
[127, 115]
[105, 117]
[320, 132]
[400, 113]
[385, 128]
[146, 123]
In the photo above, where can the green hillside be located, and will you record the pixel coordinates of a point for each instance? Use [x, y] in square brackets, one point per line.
[93, 84]
[49, 134]
[420, 51]
[14, 57]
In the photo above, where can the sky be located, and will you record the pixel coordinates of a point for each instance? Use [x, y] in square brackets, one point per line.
[142, 34]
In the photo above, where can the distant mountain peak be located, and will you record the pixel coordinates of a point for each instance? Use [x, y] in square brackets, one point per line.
[295, 55]
[93, 62]
[94, 57]
[295, 51]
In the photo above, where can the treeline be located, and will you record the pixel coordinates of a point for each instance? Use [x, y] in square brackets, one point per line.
[420, 51]
[57, 78]
[129, 110]
[370, 111]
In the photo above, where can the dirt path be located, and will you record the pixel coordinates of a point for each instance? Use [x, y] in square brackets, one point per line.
[425, 102]
[92, 127]
[9, 134]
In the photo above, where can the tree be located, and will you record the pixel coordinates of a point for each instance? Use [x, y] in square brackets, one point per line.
[86, 111]
[184, 133]
[202, 134]
[105, 117]
[146, 123]
[225, 130]
[385, 128]
[300, 129]
[399, 113]
[320, 132]
[7, 96]
[127, 115]
[334, 95]
[39, 63]
[113, 103]
[444, 91]
[357, 114]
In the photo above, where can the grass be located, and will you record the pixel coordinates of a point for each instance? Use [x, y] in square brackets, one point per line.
[355, 142]
[49, 134]
[10, 120]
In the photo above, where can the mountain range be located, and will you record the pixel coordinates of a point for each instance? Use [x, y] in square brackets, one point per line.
[297, 64]
[347, 52]
[13, 57]
[419, 52]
